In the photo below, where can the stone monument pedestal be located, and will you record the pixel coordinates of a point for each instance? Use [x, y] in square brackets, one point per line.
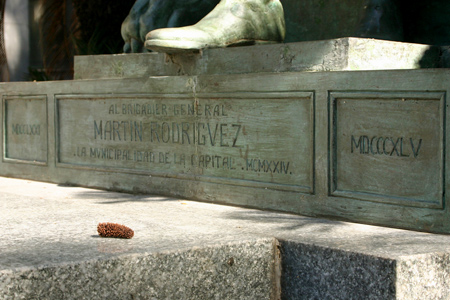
[248, 126]
[308, 128]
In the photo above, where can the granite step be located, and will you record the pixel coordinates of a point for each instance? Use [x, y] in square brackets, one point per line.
[183, 249]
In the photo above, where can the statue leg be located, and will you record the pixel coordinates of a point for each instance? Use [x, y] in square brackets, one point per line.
[131, 27]
[382, 19]
[230, 23]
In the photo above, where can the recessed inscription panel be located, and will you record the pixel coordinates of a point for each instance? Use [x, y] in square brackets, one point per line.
[25, 128]
[388, 147]
[262, 140]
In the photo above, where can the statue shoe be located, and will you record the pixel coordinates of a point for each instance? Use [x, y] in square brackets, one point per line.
[230, 23]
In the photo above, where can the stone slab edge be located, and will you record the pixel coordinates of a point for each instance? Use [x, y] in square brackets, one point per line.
[327, 55]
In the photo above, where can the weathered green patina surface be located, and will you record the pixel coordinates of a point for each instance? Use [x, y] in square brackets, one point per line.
[366, 146]
[25, 128]
[223, 138]
[388, 147]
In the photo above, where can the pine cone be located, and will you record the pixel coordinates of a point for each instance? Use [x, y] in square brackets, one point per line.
[114, 230]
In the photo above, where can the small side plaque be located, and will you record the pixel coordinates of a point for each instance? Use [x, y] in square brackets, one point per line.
[388, 147]
[251, 139]
[25, 129]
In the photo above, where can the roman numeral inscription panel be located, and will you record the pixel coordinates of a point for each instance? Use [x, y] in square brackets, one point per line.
[251, 139]
[25, 129]
[388, 147]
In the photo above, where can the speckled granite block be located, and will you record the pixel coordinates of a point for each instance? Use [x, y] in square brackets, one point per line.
[424, 277]
[234, 271]
[312, 272]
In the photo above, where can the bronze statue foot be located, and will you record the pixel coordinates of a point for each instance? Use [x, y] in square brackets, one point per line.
[230, 23]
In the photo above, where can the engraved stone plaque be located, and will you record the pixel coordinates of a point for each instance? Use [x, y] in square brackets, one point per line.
[251, 139]
[25, 129]
[388, 147]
